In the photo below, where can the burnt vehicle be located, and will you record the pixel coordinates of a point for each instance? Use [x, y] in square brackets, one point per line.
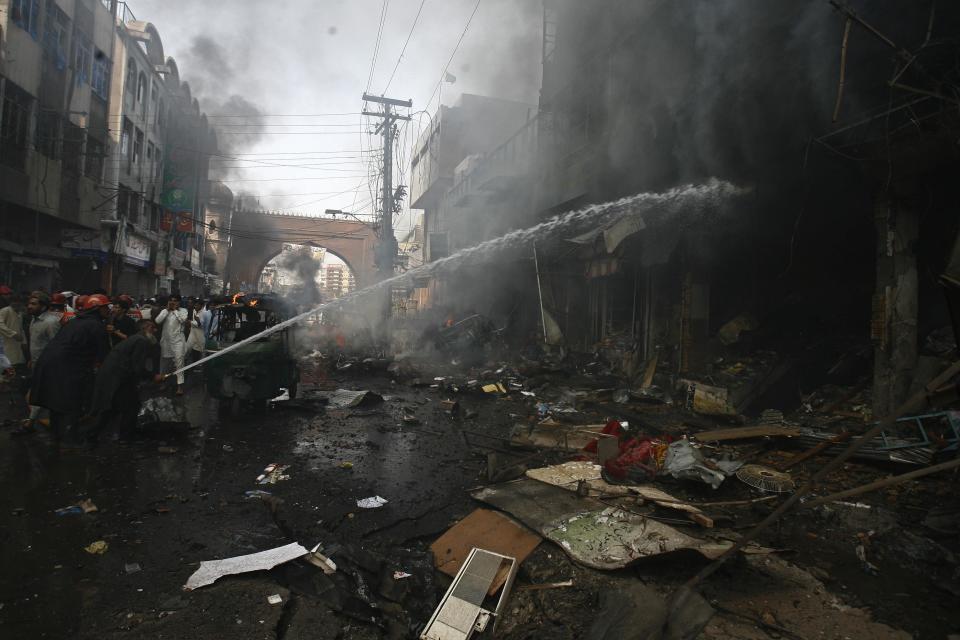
[259, 371]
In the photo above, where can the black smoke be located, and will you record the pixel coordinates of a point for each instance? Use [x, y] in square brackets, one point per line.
[302, 263]
[237, 119]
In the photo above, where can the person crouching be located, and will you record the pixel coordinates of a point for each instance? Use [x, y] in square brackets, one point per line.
[115, 391]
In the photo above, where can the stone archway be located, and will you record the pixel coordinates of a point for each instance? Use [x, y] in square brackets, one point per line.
[256, 237]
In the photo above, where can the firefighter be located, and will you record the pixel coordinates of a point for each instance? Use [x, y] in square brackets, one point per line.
[63, 374]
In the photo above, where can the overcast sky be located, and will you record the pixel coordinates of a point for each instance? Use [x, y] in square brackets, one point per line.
[309, 57]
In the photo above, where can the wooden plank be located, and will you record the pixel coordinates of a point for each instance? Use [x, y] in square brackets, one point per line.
[741, 433]
[649, 373]
[488, 530]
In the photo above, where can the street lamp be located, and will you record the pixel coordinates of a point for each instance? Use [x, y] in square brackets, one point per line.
[345, 214]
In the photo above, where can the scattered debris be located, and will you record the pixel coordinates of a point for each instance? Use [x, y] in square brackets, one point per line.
[613, 538]
[166, 449]
[400, 575]
[97, 548]
[374, 502]
[87, 506]
[321, 561]
[496, 387]
[347, 399]
[460, 612]
[765, 478]
[546, 585]
[569, 474]
[161, 410]
[346, 464]
[72, 510]
[212, 570]
[550, 434]
[259, 494]
[743, 433]
[494, 530]
[683, 461]
[274, 599]
[131, 567]
[273, 473]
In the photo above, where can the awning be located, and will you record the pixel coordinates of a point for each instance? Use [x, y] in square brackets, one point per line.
[35, 262]
[10, 247]
[613, 233]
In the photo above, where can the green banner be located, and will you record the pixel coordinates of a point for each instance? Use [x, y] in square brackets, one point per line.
[179, 180]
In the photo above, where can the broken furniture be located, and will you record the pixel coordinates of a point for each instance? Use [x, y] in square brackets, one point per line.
[461, 613]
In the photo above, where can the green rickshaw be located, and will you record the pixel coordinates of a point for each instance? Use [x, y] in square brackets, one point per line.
[256, 372]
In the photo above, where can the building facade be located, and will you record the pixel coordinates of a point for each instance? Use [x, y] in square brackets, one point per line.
[98, 133]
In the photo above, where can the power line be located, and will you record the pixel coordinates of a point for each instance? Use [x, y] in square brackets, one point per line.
[376, 44]
[443, 73]
[404, 49]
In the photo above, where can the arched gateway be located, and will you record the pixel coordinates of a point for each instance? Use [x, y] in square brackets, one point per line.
[258, 236]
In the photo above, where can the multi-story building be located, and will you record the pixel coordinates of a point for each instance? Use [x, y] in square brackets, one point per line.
[104, 156]
[336, 280]
[56, 70]
[444, 182]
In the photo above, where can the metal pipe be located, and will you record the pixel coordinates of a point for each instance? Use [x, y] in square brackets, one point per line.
[543, 316]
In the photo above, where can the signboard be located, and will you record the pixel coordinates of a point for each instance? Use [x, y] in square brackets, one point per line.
[166, 221]
[179, 180]
[177, 258]
[160, 262]
[81, 239]
[185, 222]
[136, 250]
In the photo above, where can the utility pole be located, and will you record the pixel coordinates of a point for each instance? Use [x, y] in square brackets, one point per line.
[386, 255]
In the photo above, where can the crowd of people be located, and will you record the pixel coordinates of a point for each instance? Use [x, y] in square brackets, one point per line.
[78, 360]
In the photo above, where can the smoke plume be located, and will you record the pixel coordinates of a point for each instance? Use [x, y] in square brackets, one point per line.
[302, 263]
[238, 120]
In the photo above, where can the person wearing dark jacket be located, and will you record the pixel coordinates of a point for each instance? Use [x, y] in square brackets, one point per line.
[115, 390]
[63, 374]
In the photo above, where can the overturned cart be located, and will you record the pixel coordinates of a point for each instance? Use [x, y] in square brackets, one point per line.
[256, 372]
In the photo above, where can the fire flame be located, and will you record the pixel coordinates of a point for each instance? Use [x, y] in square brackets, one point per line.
[254, 303]
[236, 297]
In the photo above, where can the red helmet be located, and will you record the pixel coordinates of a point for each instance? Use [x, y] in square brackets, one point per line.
[5, 290]
[80, 302]
[94, 301]
[124, 298]
[58, 298]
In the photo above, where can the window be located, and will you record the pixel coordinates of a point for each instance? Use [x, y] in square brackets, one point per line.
[126, 141]
[55, 30]
[72, 148]
[96, 154]
[135, 202]
[138, 148]
[15, 129]
[161, 115]
[154, 97]
[100, 79]
[108, 4]
[131, 84]
[123, 202]
[82, 58]
[48, 134]
[26, 15]
[142, 89]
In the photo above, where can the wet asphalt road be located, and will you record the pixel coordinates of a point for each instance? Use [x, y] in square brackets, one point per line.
[167, 511]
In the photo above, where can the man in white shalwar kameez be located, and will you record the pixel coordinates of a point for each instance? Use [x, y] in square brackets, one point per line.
[171, 321]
